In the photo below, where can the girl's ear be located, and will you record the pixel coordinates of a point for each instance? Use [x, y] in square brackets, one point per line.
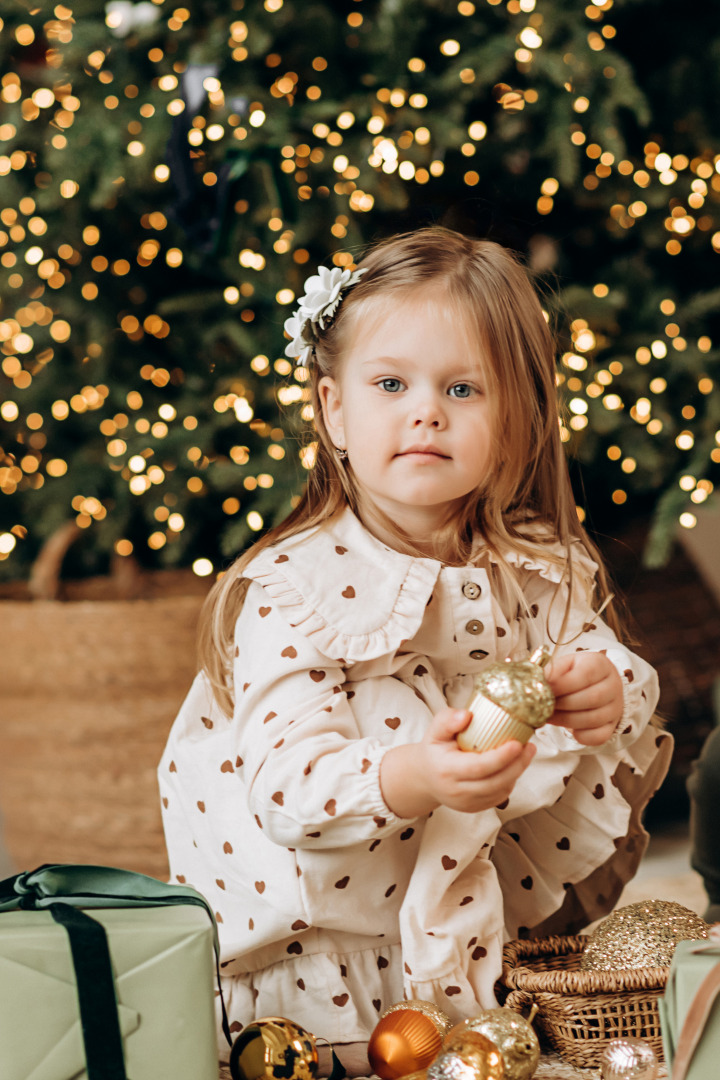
[329, 394]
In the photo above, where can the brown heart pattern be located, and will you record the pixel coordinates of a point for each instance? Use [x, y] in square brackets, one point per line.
[348, 593]
[330, 807]
[563, 844]
[342, 883]
[448, 863]
[260, 887]
[278, 798]
[201, 806]
[527, 882]
[165, 802]
[208, 723]
[452, 990]
[299, 925]
[290, 652]
[393, 722]
[340, 549]
[228, 848]
[227, 766]
[282, 558]
[341, 999]
[317, 676]
[294, 947]
[220, 883]
[263, 611]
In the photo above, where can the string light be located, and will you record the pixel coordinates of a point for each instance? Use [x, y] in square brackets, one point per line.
[352, 153]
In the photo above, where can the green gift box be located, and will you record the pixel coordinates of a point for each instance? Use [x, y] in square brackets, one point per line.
[690, 1011]
[132, 978]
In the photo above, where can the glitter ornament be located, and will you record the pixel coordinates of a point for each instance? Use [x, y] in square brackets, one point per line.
[641, 935]
[441, 1020]
[404, 1041]
[274, 1048]
[510, 701]
[471, 1056]
[628, 1059]
[513, 1035]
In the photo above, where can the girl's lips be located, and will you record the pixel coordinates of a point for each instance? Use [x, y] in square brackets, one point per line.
[430, 451]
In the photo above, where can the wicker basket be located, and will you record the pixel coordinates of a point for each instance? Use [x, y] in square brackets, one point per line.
[579, 1011]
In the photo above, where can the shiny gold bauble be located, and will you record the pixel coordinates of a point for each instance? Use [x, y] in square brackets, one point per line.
[510, 701]
[441, 1020]
[470, 1056]
[404, 1041]
[641, 935]
[513, 1035]
[274, 1048]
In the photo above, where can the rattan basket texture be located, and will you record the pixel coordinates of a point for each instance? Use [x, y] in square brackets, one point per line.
[579, 1011]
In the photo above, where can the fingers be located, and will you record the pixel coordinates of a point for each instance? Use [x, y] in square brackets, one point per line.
[482, 792]
[569, 674]
[447, 723]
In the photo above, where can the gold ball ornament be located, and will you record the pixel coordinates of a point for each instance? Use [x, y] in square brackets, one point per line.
[470, 1056]
[510, 700]
[628, 1059]
[440, 1019]
[274, 1048]
[513, 1035]
[641, 935]
[404, 1041]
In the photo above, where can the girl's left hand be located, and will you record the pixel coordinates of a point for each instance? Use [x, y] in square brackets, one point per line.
[588, 696]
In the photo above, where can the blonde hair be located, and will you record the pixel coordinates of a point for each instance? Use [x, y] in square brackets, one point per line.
[528, 503]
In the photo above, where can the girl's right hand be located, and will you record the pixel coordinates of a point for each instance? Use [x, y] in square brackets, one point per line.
[417, 777]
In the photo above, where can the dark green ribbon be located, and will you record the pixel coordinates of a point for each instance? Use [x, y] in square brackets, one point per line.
[104, 1058]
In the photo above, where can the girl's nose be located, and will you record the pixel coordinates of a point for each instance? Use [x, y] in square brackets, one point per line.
[428, 412]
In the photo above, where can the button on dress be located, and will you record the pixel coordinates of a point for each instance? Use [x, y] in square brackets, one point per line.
[331, 908]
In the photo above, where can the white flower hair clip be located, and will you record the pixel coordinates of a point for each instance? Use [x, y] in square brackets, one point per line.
[323, 293]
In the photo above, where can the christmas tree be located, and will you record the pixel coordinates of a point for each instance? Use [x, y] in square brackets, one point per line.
[171, 175]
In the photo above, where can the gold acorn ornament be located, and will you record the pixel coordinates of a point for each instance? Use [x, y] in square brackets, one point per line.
[510, 700]
[641, 935]
[513, 1035]
[274, 1047]
[470, 1056]
[406, 1038]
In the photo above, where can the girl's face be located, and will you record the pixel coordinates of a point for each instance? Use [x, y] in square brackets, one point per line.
[409, 405]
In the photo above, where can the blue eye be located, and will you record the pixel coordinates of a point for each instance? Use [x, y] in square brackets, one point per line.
[461, 390]
[392, 386]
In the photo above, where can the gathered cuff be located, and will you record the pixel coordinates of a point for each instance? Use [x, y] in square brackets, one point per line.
[335, 640]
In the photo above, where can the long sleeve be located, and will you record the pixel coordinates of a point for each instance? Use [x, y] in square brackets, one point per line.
[585, 631]
[312, 771]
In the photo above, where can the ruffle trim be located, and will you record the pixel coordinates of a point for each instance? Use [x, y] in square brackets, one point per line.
[548, 569]
[337, 641]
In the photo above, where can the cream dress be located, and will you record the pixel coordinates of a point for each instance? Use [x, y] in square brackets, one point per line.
[331, 908]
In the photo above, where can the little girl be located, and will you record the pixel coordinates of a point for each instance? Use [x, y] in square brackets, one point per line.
[312, 786]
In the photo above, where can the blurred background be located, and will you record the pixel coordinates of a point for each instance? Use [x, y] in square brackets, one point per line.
[169, 176]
